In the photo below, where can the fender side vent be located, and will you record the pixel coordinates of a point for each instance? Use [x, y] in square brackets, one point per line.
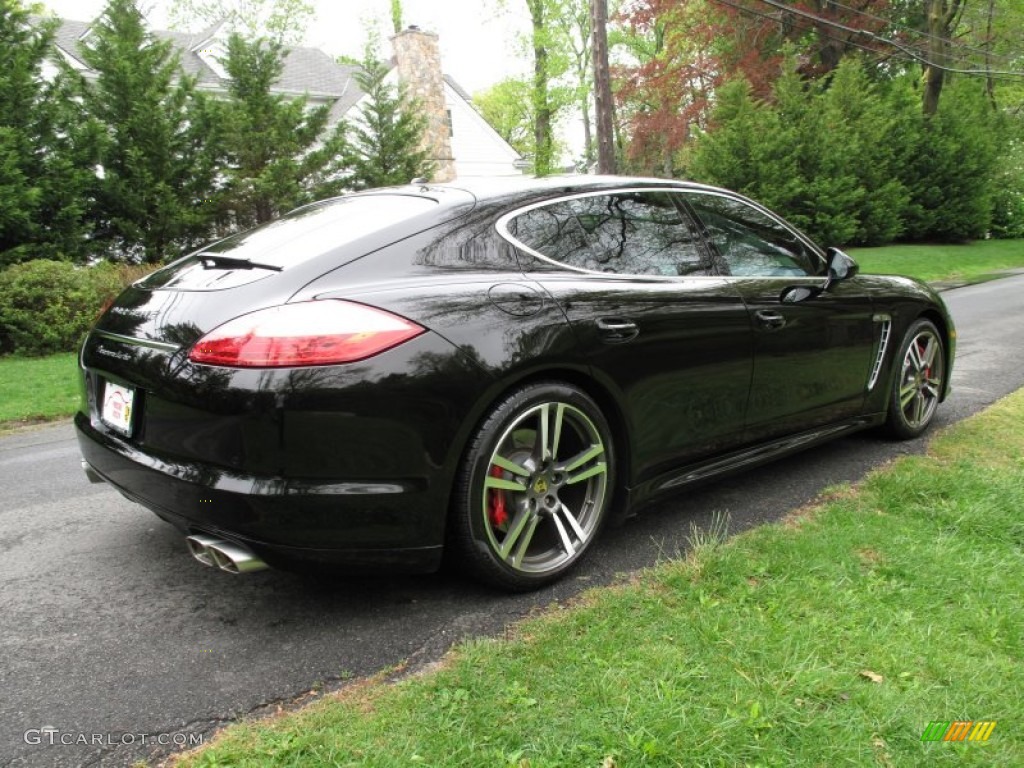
[883, 345]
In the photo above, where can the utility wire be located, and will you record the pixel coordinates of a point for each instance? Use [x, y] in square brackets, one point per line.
[924, 34]
[885, 41]
[863, 33]
[744, 9]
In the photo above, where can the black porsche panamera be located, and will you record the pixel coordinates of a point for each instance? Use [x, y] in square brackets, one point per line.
[492, 369]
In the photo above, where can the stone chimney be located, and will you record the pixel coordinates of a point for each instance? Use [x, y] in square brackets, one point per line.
[418, 59]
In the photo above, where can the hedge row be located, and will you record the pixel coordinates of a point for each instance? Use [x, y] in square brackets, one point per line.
[48, 306]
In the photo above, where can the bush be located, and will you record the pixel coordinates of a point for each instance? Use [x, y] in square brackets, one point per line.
[47, 306]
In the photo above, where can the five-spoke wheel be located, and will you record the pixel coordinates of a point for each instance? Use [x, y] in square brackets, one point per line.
[535, 486]
[918, 382]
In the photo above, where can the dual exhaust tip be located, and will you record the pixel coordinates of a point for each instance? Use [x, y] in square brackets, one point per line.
[229, 556]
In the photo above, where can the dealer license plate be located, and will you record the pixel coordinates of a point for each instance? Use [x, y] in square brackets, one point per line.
[118, 405]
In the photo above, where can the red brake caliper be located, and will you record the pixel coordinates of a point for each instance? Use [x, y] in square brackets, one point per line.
[499, 516]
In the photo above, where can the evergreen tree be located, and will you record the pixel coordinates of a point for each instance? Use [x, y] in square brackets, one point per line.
[824, 155]
[279, 154]
[949, 164]
[158, 164]
[47, 148]
[386, 144]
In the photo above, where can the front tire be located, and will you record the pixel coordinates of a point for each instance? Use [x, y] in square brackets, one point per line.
[534, 487]
[918, 382]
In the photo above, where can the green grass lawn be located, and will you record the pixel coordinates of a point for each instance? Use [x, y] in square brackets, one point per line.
[942, 262]
[832, 638]
[37, 388]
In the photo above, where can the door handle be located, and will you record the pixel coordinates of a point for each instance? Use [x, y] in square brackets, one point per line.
[770, 319]
[615, 330]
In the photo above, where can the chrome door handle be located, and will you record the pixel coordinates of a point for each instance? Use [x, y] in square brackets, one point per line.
[615, 330]
[770, 319]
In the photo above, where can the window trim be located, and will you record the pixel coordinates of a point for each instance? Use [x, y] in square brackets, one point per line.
[501, 225]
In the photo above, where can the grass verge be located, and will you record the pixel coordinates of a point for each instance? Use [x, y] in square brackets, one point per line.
[37, 388]
[933, 263]
[831, 638]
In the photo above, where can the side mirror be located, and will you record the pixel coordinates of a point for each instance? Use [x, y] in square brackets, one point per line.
[840, 267]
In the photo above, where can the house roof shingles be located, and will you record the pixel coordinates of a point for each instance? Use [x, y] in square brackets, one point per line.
[305, 70]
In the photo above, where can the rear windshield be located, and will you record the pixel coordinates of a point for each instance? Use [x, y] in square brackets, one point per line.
[294, 238]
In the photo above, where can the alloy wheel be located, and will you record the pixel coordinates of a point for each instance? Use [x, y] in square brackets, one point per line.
[921, 379]
[545, 489]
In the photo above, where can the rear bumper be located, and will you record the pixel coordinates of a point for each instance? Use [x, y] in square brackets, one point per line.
[397, 525]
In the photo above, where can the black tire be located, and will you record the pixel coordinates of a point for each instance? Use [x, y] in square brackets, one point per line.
[918, 380]
[530, 499]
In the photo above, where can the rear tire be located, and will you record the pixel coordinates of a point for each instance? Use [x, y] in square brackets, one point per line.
[534, 488]
[917, 382]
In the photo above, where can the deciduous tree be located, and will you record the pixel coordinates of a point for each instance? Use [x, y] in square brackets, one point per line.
[283, 21]
[543, 110]
[941, 18]
[396, 16]
[508, 108]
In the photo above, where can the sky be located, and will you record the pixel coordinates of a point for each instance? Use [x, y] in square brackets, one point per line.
[477, 40]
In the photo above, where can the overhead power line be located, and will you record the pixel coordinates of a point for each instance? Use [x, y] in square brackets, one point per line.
[863, 33]
[922, 33]
[866, 35]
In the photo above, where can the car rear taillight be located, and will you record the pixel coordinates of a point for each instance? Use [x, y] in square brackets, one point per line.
[308, 333]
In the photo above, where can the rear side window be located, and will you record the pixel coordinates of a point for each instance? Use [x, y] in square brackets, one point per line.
[293, 239]
[638, 233]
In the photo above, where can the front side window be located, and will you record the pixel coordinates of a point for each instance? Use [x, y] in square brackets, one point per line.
[637, 233]
[751, 242]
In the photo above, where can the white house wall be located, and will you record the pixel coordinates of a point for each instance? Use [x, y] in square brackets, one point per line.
[476, 146]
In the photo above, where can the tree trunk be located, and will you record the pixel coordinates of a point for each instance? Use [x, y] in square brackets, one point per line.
[941, 17]
[990, 86]
[542, 159]
[602, 88]
[588, 136]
